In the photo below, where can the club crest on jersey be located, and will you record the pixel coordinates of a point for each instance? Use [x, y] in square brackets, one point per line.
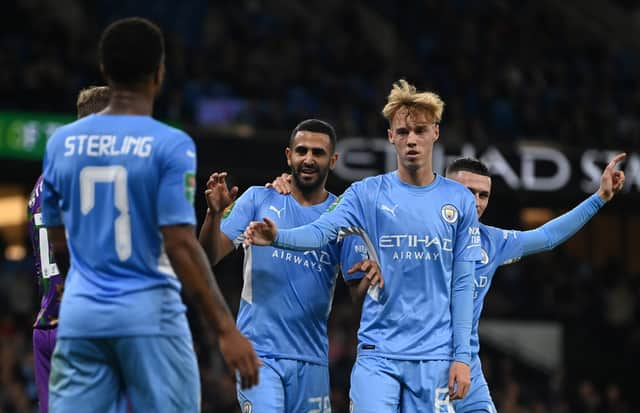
[485, 257]
[247, 407]
[227, 210]
[190, 186]
[449, 213]
[334, 204]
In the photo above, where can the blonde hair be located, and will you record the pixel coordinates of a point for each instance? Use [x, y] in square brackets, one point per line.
[404, 95]
[92, 100]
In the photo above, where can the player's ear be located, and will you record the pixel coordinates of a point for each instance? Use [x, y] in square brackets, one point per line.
[390, 135]
[333, 160]
[287, 153]
[158, 76]
[436, 131]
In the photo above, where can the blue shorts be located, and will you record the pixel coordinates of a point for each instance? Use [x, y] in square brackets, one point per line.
[382, 385]
[478, 399]
[156, 373]
[288, 386]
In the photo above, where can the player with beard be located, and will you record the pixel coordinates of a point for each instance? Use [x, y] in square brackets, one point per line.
[414, 337]
[286, 297]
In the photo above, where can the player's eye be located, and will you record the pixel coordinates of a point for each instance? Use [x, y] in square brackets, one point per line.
[301, 151]
[420, 130]
[318, 152]
[402, 131]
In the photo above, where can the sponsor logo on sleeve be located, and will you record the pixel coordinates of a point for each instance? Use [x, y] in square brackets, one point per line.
[334, 204]
[190, 186]
[227, 210]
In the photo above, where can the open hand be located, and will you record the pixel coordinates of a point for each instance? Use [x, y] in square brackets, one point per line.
[218, 194]
[282, 184]
[371, 271]
[260, 233]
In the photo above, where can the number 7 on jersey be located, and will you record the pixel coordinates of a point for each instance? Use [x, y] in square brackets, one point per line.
[92, 175]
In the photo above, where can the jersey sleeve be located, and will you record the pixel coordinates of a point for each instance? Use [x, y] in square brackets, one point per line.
[467, 243]
[345, 214]
[509, 245]
[352, 251]
[238, 215]
[51, 212]
[177, 184]
[545, 238]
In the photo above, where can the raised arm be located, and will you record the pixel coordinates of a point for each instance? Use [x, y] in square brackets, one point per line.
[214, 242]
[558, 230]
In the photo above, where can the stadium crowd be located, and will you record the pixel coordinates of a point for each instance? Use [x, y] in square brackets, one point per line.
[471, 53]
[507, 69]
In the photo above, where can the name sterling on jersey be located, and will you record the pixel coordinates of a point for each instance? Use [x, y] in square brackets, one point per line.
[106, 145]
[415, 246]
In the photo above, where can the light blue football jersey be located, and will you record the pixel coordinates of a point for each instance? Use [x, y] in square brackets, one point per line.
[286, 296]
[416, 234]
[502, 246]
[113, 181]
[499, 247]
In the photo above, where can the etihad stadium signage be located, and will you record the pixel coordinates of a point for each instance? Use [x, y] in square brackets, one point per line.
[24, 135]
[528, 166]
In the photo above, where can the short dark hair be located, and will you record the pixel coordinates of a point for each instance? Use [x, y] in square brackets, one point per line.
[92, 100]
[472, 165]
[131, 50]
[318, 126]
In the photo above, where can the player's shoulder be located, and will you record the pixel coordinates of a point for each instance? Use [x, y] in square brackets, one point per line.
[171, 136]
[456, 190]
[371, 182]
[66, 130]
[453, 186]
[261, 194]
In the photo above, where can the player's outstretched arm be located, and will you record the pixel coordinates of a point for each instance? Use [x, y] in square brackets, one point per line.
[372, 277]
[558, 230]
[58, 242]
[281, 184]
[214, 242]
[190, 263]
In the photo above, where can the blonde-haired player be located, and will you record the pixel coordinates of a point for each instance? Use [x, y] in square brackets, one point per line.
[413, 350]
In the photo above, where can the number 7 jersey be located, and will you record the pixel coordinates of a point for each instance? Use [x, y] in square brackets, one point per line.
[113, 181]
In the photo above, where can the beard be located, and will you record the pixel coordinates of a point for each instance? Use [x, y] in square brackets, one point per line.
[307, 185]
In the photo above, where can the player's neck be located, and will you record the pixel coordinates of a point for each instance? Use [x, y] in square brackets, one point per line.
[129, 102]
[421, 176]
[315, 197]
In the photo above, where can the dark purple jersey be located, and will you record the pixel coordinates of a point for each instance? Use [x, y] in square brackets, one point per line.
[50, 281]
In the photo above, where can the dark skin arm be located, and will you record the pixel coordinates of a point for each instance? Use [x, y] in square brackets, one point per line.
[372, 276]
[214, 242]
[191, 265]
